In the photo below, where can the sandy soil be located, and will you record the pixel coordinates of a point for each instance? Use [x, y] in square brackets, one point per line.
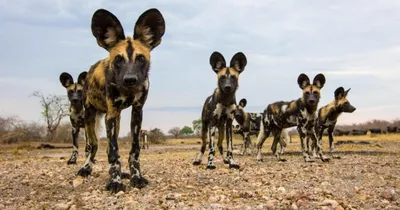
[367, 177]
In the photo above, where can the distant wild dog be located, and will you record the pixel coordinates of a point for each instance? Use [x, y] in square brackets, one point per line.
[329, 114]
[76, 109]
[218, 109]
[144, 138]
[117, 82]
[301, 113]
[250, 125]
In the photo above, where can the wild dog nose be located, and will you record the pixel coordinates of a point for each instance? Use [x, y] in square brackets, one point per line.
[130, 80]
[311, 101]
[228, 88]
[238, 114]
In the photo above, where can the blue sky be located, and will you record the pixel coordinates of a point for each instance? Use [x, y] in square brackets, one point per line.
[354, 43]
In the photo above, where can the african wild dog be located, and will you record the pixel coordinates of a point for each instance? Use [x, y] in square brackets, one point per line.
[329, 114]
[117, 82]
[301, 113]
[144, 139]
[219, 108]
[76, 110]
[249, 124]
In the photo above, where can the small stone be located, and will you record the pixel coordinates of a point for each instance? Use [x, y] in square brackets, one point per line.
[281, 190]
[77, 181]
[294, 206]
[173, 196]
[61, 206]
[339, 208]
[213, 199]
[271, 204]
[119, 193]
[329, 202]
[73, 207]
[261, 206]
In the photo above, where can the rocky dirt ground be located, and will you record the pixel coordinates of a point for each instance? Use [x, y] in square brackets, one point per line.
[367, 177]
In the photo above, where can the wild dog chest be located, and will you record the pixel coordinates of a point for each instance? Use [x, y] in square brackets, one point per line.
[123, 99]
[77, 118]
[222, 111]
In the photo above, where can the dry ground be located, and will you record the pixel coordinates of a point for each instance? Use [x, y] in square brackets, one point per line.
[367, 177]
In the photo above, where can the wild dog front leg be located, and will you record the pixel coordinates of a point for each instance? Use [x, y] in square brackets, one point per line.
[204, 134]
[211, 152]
[304, 149]
[262, 136]
[331, 145]
[90, 120]
[229, 142]
[115, 183]
[87, 151]
[74, 156]
[221, 135]
[318, 145]
[136, 180]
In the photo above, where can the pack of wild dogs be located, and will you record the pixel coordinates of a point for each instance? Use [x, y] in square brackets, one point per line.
[121, 80]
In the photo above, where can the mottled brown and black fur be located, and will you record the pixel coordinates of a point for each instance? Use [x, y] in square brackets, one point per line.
[301, 113]
[117, 82]
[249, 124]
[218, 109]
[144, 138]
[76, 110]
[329, 114]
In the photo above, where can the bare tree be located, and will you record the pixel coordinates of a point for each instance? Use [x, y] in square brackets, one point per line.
[175, 131]
[55, 108]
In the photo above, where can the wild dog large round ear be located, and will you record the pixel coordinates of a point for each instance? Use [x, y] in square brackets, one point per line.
[217, 61]
[239, 62]
[66, 79]
[303, 81]
[339, 93]
[149, 28]
[82, 78]
[319, 80]
[347, 91]
[107, 29]
[243, 102]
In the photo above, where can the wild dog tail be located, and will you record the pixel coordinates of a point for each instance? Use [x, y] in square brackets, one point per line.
[97, 126]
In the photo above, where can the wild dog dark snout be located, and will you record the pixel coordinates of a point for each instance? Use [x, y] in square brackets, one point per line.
[227, 83]
[349, 108]
[130, 80]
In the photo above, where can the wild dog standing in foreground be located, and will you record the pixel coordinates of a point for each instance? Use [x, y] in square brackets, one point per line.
[117, 82]
[218, 108]
[76, 109]
[144, 138]
[328, 115]
[250, 125]
[301, 113]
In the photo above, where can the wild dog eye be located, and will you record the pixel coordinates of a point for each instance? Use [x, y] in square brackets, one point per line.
[315, 92]
[307, 93]
[141, 59]
[118, 61]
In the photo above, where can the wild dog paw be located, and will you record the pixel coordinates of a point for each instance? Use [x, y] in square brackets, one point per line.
[72, 160]
[226, 160]
[196, 162]
[125, 175]
[234, 165]
[259, 159]
[308, 159]
[138, 182]
[85, 171]
[211, 166]
[325, 159]
[282, 159]
[335, 156]
[115, 187]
